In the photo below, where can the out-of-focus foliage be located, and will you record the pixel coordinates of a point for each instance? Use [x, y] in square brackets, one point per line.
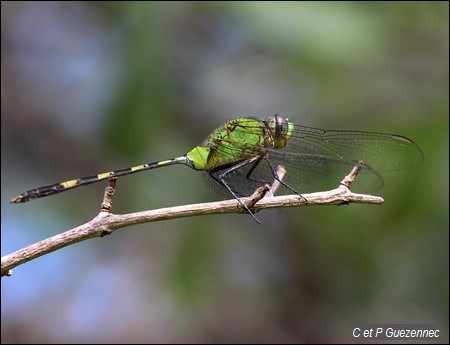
[93, 86]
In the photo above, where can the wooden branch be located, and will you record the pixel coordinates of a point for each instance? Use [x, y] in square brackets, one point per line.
[106, 222]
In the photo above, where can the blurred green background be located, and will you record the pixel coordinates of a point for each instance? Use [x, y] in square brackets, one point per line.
[88, 87]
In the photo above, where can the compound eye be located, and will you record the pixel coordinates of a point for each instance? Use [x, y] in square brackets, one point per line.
[281, 131]
[281, 126]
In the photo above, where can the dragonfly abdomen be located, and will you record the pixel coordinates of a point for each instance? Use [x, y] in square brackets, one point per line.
[82, 181]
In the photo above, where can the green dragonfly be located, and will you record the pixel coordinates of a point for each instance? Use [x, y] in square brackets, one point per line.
[244, 153]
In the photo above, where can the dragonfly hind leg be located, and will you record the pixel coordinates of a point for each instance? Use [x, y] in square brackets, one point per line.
[221, 179]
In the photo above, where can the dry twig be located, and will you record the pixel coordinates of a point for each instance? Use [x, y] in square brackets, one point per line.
[106, 222]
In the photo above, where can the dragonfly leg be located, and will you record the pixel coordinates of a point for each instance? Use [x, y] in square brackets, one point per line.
[223, 182]
[276, 177]
[274, 174]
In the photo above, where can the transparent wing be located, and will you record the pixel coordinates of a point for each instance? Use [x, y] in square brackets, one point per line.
[382, 152]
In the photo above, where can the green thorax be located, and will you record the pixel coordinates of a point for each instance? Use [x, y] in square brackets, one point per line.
[241, 139]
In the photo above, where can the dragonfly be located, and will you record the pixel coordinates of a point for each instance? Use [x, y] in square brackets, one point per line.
[245, 153]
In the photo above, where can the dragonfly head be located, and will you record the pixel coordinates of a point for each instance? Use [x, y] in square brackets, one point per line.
[281, 130]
